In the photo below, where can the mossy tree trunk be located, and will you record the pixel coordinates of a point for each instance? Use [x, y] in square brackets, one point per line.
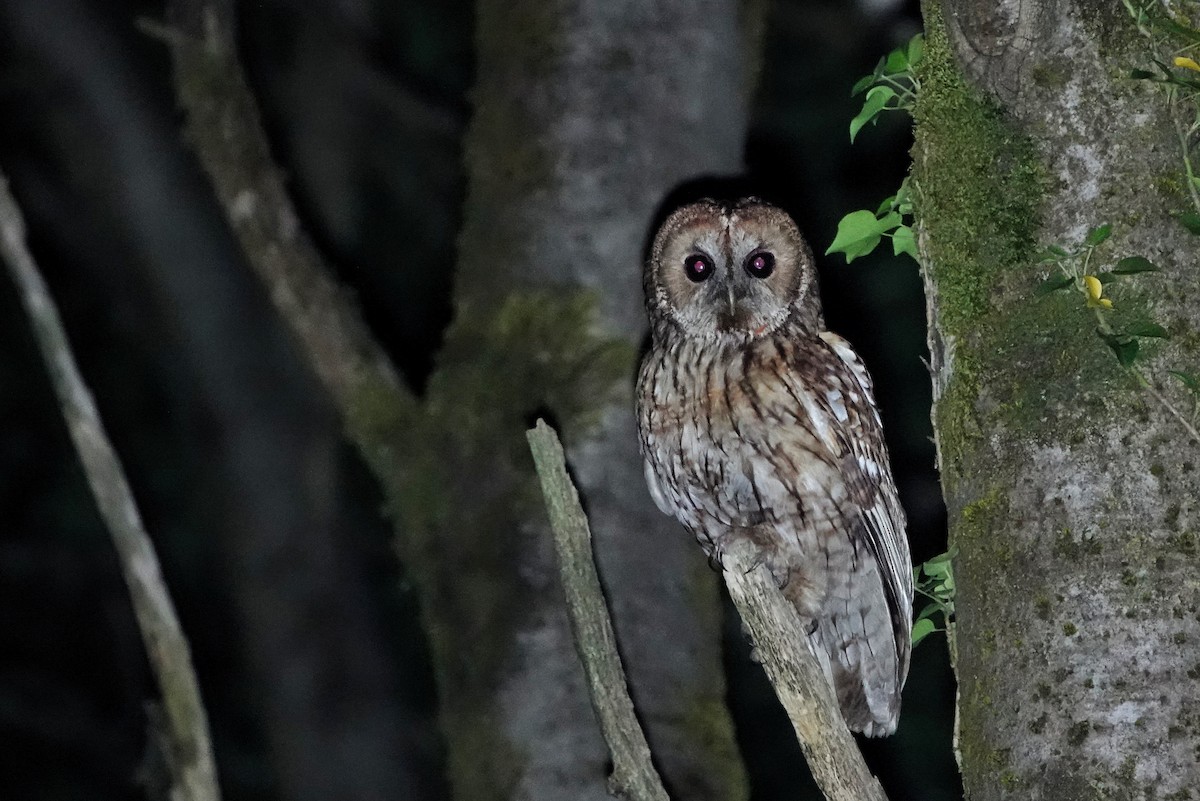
[1072, 492]
[585, 116]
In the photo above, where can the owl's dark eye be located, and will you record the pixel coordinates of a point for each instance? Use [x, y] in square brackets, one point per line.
[760, 264]
[698, 267]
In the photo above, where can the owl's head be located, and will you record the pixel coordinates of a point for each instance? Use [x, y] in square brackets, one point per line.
[731, 269]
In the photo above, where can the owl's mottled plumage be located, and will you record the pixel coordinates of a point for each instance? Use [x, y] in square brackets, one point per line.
[755, 422]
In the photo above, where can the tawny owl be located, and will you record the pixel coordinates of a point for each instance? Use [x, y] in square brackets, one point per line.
[756, 422]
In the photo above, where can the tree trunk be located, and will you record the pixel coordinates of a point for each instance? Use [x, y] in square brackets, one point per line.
[1071, 490]
[586, 115]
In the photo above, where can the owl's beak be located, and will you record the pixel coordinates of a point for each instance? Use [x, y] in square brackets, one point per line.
[732, 300]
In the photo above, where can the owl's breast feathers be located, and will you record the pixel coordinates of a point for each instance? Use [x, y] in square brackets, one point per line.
[778, 439]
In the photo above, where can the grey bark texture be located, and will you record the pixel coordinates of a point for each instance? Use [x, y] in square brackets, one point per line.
[1072, 493]
[586, 114]
[633, 775]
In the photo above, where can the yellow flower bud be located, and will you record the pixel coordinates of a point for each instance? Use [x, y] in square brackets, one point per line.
[1187, 63]
[1094, 289]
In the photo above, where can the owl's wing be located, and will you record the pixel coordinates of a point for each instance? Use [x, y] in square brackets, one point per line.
[656, 490]
[857, 433]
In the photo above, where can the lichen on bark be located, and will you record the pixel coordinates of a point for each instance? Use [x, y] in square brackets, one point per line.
[1064, 483]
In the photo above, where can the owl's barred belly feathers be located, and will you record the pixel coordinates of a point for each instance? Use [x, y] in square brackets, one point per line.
[775, 438]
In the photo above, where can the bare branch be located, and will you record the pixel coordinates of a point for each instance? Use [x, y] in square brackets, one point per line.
[192, 766]
[633, 774]
[777, 632]
[225, 129]
[773, 623]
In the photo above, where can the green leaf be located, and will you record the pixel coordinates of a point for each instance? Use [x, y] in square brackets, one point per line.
[1053, 284]
[1148, 330]
[897, 62]
[1191, 221]
[859, 232]
[877, 99]
[904, 198]
[929, 611]
[937, 570]
[1185, 82]
[862, 84]
[1123, 346]
[1134, 264]
[889, 221]
[904, 242]
[888, 204]
[916, 49]
[1053, 253]
[1190, 380]
[1107, 278]
[945, 556]
[1097, 235]
[1142, 75]
[922, 629]
[1178, 29]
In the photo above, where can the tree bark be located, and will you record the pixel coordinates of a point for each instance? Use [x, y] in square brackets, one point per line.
[265, 478]
[1071, 491]
[586, 115]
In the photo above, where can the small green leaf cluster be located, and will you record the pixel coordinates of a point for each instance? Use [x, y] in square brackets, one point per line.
[891, 87]
[1181, 82]
[934, 580]
[860, 231]
[1074, 271]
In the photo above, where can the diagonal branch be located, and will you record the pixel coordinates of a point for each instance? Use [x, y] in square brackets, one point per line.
[633, 773]
[225, 129]
[191, 760]
[833, 757]
[800, 683]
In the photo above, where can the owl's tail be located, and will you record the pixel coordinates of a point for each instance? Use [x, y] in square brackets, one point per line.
[857, 649]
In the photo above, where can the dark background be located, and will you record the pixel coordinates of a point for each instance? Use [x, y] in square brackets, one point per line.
[366, 103]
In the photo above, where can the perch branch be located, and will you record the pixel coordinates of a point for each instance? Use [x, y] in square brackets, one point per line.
[633, 773]
[191, 759]
[776, 629]
[225, 129]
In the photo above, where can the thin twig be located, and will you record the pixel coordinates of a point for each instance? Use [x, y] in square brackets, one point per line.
[191, 759]
[800, 683]
[633, 773]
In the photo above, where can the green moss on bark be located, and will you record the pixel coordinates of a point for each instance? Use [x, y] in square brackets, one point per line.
[980, 185]
[707, 725]
[502, 363]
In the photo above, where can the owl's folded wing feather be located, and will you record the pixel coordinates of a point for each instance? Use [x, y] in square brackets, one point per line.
[865, 470]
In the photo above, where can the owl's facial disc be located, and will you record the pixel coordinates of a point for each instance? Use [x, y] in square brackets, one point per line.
[721, 270]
